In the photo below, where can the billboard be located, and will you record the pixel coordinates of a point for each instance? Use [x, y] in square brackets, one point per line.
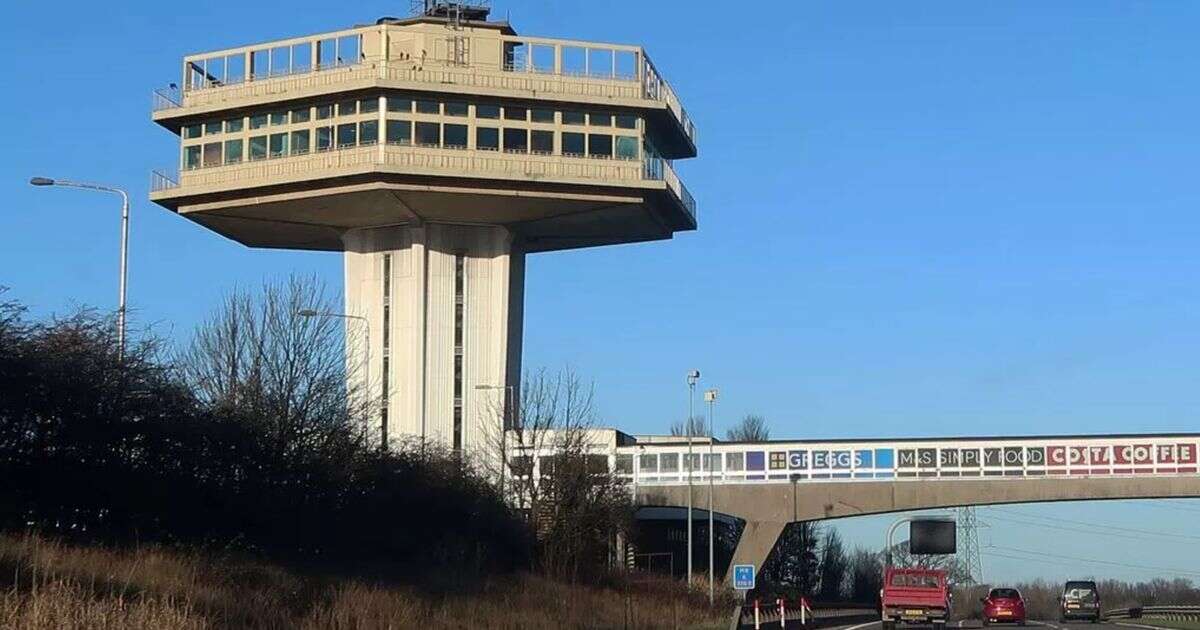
[932, 537]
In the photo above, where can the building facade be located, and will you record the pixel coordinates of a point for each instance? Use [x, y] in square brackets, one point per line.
[437, 152]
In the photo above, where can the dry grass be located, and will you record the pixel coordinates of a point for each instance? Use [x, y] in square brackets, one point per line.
[50, 585]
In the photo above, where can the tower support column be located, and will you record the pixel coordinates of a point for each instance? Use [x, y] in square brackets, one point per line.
[445, 309]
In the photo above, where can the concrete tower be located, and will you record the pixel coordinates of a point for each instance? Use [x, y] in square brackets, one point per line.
[437, 152]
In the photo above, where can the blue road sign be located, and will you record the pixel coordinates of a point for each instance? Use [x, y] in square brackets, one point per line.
[743, 577]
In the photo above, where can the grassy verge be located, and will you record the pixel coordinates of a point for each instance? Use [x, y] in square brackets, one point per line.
[50, 585]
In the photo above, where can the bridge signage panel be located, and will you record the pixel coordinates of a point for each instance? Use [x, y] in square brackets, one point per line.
[923, 459]
[743, 577]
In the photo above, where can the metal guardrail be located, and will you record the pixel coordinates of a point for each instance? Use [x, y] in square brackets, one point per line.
[800, 614]
[1177, 613]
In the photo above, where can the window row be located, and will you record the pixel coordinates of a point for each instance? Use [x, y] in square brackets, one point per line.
[409, 106]
[407, 132]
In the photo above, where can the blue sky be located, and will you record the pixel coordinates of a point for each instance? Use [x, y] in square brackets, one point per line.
[924, 219]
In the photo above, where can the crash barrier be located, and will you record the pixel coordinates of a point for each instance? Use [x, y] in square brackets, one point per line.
[782, 613]
[1178, 613]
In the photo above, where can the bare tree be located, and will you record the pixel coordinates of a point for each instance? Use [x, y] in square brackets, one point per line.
[258, 355]
[696, 426]
[751, 428]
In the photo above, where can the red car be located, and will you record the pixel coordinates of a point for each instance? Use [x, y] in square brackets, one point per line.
[1004, 605]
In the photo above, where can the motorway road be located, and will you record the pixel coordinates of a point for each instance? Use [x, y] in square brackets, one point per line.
[969, 625]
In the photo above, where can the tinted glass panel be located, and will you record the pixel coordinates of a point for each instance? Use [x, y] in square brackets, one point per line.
[429, 107]
[456, 108]
[279, 144]
[233, 125]
[572, 118]
[487, 139]
[454, 136]
[324, 138]
[300, 141]
[368, 105]
[301, 115]
[258, 121]
[347, 108]
[627, 148]
[212, 128]
[399, 132]
[212, 154]
[572, 144]
[516, 140]
[600, 120]
[233, 151]
[487, 111]
[402, 105]
[542, 141]
[347, 135]
[428, 134]
[279, 118]
[193, 131]
[258, 147]
[541, 115]
[324, 111]
[516, 113]
[599, 145]
[191, 157]
[625, 121]
[368, 132]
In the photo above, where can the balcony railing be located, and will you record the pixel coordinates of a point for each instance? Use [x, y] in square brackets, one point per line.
[451, 161]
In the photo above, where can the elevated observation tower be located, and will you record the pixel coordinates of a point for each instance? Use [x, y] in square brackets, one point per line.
[436, 151]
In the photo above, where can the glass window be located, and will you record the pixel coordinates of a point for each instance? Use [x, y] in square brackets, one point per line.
[212, 154]
[711, 463]
[669, 462]
[347, 135]
[487, 111]
[233, 125]
[627, 148]
[258, 121]
[600, 145]
[516, 141]
[402, 105]
[327, 53]
[735, 461]
[258, 147]
[626, 121]
[302, 57]
[778, 461]
[300, 142]
[456, 108]
[454, 136]
[429, 134]
[648, 463]
[624, 464]
[347, 108]
[233, 151]
[324, 111]
[260, 64]
[429, 107]
[279, 144]
[191, 157]
[572, 144]
[301, 115]
[541, 115]
[193, 131]
[368, 105]
[572, 118]
[279, 118]
[324, 138]
[348, 49]
[212, 128]
[487, 139]
[399, 131]
[281, 59]
[368, 132]
[600, 120]
[516, 113]
[541, 141]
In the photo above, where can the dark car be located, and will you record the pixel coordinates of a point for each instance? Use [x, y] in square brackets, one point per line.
[1080, 600]
[1004, 605]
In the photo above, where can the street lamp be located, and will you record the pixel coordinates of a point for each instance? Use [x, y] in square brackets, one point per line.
[46, 181]
[692, 377]
[308, 312]
[710, 397]
[507, 424]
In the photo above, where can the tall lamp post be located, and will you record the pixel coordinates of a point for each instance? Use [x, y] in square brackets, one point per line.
[710, 397]
[507, 423]
[46, 181]
[692, 377]
[366, 358]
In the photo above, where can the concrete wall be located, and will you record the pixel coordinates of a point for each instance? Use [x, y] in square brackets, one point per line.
[421, 335]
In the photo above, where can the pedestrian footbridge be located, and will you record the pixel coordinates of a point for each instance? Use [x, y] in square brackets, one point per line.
[771, 484]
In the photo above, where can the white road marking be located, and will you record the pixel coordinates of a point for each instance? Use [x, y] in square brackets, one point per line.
[871, 623]
[1135, 625]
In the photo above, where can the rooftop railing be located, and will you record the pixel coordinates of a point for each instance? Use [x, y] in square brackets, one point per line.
[540, 65]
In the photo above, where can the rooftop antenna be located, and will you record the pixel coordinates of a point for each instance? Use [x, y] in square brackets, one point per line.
[455, 13]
